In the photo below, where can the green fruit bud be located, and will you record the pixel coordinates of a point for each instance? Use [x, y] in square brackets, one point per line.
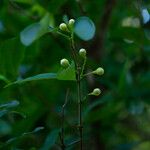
[99, 71]
[71, 22]
[82, 52]
[64, 63]
[63, 27]
[96, 92]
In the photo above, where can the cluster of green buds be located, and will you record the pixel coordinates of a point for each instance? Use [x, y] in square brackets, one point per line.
[99, 71]
[67, 27]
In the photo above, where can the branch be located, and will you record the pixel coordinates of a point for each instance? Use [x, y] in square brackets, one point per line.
[61, 134]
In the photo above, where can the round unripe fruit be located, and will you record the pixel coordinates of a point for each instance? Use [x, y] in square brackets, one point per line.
[71, 22]
[64, 63]
[99, 71]
[96, 92]
[63, 27]
[82, 52]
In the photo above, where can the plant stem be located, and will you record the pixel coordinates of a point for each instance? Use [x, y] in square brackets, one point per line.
[78, 80]
[62, 138]
[74, 55]
[89, 73]
[67, 37]
[80, 126]
[83, 67]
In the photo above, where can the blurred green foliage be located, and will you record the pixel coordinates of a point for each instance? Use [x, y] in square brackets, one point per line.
[119, 119]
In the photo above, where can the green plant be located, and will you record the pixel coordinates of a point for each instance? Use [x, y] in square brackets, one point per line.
[9, 115]
[74, 71]
[30, 44]
[79, 70]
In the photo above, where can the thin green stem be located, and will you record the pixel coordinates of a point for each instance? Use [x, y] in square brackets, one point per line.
[64, 35]
[87, 74]
[72, 143]
[80, 126]
[62, 137]
[83, 67]
[78, 79]
[74, 54]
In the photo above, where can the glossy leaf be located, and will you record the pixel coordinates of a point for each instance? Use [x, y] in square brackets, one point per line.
[24, 134]
[3, 78]
[18, 114]
[35, 31]
[84, 28]
[63, 74]
[68, 73]
[50, 140]
[145, 15]
[43, 76]
[10, 104]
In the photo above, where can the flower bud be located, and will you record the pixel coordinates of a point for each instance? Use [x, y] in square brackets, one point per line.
[64, 63]
[99, 71]
[82, 52]
[71, 22]
[96, 92]
[63, 27]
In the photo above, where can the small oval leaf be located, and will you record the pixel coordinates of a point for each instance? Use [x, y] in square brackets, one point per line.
[145, 15]
[84, 28]
[35, 31]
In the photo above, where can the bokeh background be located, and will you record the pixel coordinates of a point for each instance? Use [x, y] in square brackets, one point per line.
[119, 119]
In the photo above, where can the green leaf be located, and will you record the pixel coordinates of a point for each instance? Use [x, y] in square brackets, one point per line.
[84, 28]
[35, 31]
[68, 73]
[50, 140]
[3, 78]
[63, 74]
[37, 129]
[16, 115]
[5, 128]
[24, 134]
[11, 55]
[3, 112]
[96, 103]
[11, 104]
[43, 76]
